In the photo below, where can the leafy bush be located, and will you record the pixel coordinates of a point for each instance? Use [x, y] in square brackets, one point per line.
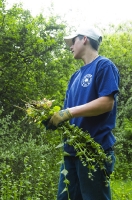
[28, 160]
[123, 150]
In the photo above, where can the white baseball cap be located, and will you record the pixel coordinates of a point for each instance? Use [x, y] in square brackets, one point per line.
[89, 32]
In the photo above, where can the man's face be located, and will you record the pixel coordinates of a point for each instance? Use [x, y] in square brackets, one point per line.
[77, 47]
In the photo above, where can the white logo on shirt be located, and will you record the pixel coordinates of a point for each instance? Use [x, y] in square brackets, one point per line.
[86, 80]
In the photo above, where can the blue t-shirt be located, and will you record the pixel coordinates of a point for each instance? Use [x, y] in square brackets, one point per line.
[96, 79]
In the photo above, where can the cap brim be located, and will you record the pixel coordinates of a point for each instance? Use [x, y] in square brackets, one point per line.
[68, 40]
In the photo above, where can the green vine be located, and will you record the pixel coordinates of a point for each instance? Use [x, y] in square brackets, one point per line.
[89, 152]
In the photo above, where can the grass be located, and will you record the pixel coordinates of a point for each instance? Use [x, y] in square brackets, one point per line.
[121, 190]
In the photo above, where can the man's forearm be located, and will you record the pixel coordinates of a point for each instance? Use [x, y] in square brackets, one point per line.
[93, 108]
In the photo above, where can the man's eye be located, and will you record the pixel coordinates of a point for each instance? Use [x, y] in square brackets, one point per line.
[73, 40]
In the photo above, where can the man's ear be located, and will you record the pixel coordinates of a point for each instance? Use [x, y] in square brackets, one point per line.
[85, 40]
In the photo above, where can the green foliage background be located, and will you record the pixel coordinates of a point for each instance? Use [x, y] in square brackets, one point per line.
[35, 63]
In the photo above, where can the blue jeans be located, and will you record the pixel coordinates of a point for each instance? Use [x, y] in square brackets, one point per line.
[81, 187]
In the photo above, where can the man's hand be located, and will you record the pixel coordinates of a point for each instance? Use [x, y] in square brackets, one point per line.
[58, 117]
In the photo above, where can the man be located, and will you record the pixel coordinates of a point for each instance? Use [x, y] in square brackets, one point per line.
[90, 104]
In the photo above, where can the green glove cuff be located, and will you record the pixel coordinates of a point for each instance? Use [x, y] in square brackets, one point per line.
[68, 113]
[59, 117]
[65, 114]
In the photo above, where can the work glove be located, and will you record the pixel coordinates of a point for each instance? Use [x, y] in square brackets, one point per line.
[47, 126]
[59, 117]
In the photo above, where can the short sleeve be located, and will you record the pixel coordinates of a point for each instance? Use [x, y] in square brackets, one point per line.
[107, 79]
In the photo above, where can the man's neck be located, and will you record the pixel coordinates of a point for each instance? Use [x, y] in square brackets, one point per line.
[90, 57]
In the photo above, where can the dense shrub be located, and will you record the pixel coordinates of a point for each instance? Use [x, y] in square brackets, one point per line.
[123, 150]
[28, 158]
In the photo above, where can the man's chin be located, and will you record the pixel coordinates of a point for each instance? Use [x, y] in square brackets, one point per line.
[77, 57]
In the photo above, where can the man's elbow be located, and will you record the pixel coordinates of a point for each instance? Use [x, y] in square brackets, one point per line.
[110, 106]
[110, 103]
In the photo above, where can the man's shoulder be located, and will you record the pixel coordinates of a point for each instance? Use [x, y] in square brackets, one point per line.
[103, 59]
[105, 62]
